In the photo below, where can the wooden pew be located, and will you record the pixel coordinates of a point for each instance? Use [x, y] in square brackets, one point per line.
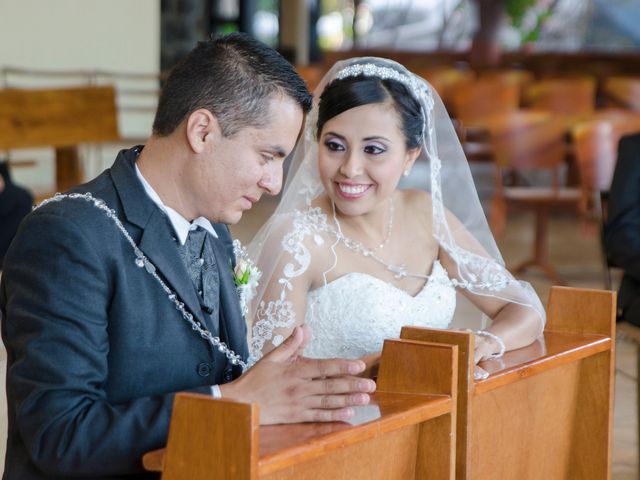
[412, 436]
[61, 118]
[546, 410]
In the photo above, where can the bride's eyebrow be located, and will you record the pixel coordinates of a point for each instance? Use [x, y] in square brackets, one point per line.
[366, 139]
[334, 134]
[377, 137]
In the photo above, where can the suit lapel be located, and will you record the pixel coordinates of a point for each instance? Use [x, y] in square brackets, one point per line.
[156, 241]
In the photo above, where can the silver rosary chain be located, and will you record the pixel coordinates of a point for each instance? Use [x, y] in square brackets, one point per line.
[142, 261]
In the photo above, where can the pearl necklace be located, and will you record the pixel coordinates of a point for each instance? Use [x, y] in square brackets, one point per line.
[142, 261]
[389, 226]
[399, 271]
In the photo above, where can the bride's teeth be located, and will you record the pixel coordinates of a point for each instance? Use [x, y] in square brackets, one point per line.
[353, 190]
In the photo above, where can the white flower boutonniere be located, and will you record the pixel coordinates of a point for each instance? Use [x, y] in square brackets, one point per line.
[245, 276]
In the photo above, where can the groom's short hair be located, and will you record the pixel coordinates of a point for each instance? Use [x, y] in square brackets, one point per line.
[233, 77]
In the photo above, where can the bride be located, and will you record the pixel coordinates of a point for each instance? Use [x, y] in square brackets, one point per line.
[380, 226]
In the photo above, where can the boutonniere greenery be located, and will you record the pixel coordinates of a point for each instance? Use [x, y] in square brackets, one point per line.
[245, 276]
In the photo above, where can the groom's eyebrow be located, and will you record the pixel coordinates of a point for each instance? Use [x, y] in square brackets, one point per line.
[277, 150]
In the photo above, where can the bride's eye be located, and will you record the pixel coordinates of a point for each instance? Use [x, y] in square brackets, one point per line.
[334, 146]
[374, 150]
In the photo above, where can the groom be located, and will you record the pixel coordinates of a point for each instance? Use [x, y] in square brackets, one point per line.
[105, 298]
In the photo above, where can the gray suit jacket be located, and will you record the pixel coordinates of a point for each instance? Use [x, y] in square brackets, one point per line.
[95, 349]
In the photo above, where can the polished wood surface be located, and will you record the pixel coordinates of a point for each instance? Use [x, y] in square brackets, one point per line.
[61, 118]
[400, 435]
[215, 427]
[464, 342]
[545, 411]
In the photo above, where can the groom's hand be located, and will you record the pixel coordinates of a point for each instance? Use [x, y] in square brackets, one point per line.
[290, 388]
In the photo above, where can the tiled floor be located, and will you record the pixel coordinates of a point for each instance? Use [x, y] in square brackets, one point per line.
[576, 254]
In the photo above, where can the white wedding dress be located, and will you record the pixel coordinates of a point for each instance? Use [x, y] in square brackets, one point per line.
[352, 315]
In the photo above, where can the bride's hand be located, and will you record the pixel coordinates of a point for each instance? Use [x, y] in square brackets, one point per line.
[485, 347]
[291, 389]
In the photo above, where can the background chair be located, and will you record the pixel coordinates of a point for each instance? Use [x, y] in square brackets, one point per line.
[622, 92]
[473, 103]
[571, 97]
[521, 78]
[445, 80]
[526, 142]
[311, 74]
[596, 149]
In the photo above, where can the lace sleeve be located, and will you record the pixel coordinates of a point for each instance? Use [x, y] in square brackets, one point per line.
[286, 257]
[479, 276]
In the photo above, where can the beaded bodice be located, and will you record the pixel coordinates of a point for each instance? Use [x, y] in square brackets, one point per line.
[352, 315]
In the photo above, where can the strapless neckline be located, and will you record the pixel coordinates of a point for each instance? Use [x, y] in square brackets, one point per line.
[352, 315]
[438, 273]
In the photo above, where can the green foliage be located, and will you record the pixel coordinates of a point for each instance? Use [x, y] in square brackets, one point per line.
[517, 11]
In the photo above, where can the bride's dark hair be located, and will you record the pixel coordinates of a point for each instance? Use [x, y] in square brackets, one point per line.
[345, 94]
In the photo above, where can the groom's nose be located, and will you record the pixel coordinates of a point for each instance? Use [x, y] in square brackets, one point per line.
[271, 180]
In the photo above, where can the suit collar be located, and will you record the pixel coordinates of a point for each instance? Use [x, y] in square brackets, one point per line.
[138, 207]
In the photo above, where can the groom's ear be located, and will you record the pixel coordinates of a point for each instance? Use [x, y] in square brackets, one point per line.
[202, 127]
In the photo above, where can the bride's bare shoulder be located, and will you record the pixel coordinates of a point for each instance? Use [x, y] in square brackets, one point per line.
[416, 201]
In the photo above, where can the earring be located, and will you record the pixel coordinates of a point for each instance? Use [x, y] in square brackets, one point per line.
[406, 172]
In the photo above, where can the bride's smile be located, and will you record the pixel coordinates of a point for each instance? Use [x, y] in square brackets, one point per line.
[362, 155]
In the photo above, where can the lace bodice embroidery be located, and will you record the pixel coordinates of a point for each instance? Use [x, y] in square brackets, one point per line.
[371, 305]
[352, 315]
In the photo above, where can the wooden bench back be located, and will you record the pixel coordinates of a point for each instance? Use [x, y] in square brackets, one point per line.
[60, 117]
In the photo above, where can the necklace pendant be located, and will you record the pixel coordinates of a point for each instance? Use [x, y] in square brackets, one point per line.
[400, 271]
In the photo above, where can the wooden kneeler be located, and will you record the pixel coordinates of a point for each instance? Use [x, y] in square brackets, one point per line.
[412, 435]
[546, 410]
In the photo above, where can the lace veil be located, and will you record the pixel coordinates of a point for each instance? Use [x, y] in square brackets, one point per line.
[459, 223]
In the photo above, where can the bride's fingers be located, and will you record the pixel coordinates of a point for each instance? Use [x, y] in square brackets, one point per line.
[480, 373]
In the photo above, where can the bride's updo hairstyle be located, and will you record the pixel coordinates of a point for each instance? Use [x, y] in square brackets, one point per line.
[351, 92]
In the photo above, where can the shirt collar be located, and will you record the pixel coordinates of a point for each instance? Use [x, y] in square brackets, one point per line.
[180, 225]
